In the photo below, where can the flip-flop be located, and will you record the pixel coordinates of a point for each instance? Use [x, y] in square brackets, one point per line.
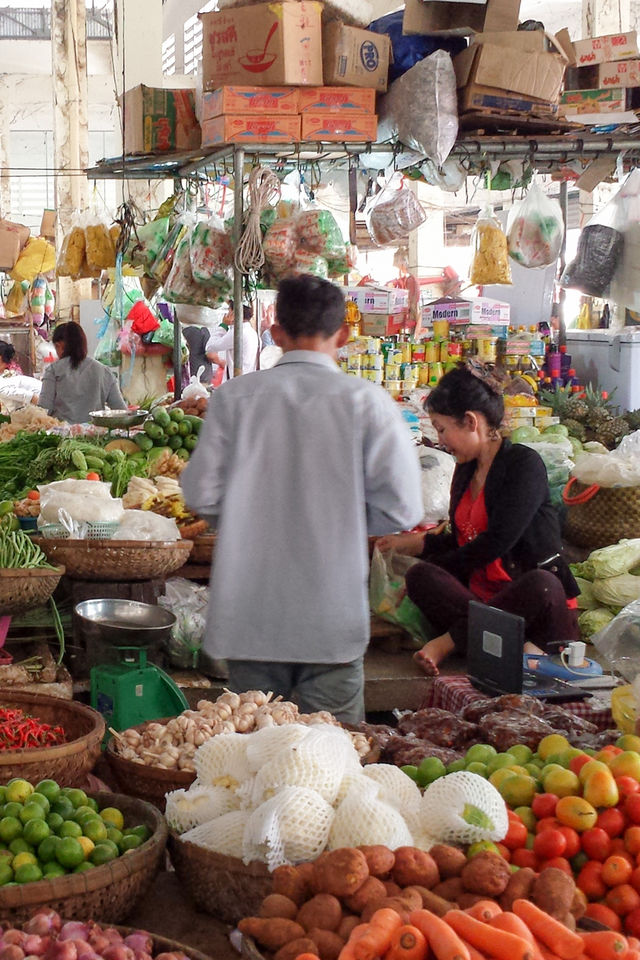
[426, 664]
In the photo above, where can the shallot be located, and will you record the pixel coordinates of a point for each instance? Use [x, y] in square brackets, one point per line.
[74, 930]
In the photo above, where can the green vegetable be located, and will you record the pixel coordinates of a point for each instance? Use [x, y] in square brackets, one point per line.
[157, 452]
[177, 414]
[190, 442]
[172, 429]
[161, 416]
[94, 463]
[144, 442]
[161, 441]
[184, 428]
[525, 435]
[6, 507]
[175, 442]
[196, 422]
[153, 430]
[183, 453]
[19, 552]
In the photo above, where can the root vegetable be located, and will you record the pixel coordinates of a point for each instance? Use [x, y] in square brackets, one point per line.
[380, 860]
[13, 952]
[322, 912]
[43, 922]
[340, 872]
[290, 882]
[36, 945]
[329, 944]
[372, 891]
[14, 937]
[139, 940]
[449, 860]
[295, 948]
[415, 866]
[272, 932]
[277, 905]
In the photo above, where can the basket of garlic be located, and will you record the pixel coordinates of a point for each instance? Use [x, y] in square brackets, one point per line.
[157, 757]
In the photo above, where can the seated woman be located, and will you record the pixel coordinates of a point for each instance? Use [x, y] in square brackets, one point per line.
[504, 545]
[8, 363]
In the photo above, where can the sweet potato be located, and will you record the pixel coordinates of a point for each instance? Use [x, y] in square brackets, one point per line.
[393, 890]
[487, 873]
[380, 860]
[340, 872]
[294, 948]
[347, 924]
[400, 906]
[323, 912]
[329, 944]
[449, 889]
[290, 882]
[553, 891]
[415, 866]
[271, 932]
[449, 860]
[413, 897]
[277, 905]
[518, 887]
[371, 889]
[432, 902]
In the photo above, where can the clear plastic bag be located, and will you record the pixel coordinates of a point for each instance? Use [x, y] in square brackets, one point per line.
[437, 473]
[144, 247]
[280, 246]
[306, 262]
[100, 251]
[490, 262]
[188, 602]
[600, 251]
[161, 266]
[619, 468]
[211, 254]
[387, 597]
[180, 286]
[146, 525]
[394, 212]
[37, 256]
[619, 642]
[535, 230]
[72, 253]
[318, 232]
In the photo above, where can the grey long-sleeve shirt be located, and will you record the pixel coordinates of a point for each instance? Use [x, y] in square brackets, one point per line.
[71, 395]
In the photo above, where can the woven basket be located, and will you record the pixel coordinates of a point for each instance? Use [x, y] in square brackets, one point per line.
[249, 950]
[69, 763]
[107, 894]
[117, 559]
[202, 551]
[147, 783]
[222, 886]
[21, 590]
[599, 516]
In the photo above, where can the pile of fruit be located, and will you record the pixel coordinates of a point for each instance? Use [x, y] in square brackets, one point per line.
[590, 416]
[173, 429]
[47, 831]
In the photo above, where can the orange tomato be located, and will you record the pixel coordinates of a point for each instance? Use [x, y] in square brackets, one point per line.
[590, 881]
[33, 495]
[623, 899]
[604, 914]
[616, 870]
[93, 476]
[619, 849]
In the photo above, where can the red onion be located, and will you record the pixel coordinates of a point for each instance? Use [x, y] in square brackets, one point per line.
[98, 940]
[112, 935]
[74, 930]
[139, 941]
[142, 955]
[12, 952]
[118, 952]
[36, 945]
[43, 922]
[62, 950]
[14, 937]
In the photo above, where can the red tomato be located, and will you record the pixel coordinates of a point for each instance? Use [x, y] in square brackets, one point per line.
[573, 841]
[615, 871]
[577, 763]
[560, 863]
[526, 858]
[612, 820]
[93, 476]
[623, 899]
[590, 881]
[632, 807]
[632, 840]
[627, 786]
[549, 843]
[547, 823]
[618, 849]
[596, 843]
[604, 914]
[516, 834]
[544, 804]
[33, 495]
[632, 923]
[634, 879]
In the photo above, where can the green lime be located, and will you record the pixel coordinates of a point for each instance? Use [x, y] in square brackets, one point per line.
[21, 858]
[480, 846]
[2, 813]
[456, 765]
[28, 873]
[93, 804]
[48, 789]
[63, 807]
[53, 869]
[113, 817]
[103, 853]
[20, 845]
[77, 798]
[114, 835]
[410, 770]
[10, 828]
[480, 753]
[431, 768]
[95, 829]
[12, 809]
[47, 849]
[70, 829]
[130, 842]
[143, 831]
[83, 812]
[69, 852]
[6, 873]
[522, 753]
[18, 790]
[3, 794]
[6, 855]
[40, 799]
[83, 867]
[36, 831]
[54, 821]
[480, 769]
[499, 761]
[31, 811]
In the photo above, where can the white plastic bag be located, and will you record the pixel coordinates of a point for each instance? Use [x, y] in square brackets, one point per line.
[437, 472]
[188, 602]
[625, 286]
[146, 525]
[619, 468]
[535, 230]
[394, 212]
[195, 388]
[619, 642]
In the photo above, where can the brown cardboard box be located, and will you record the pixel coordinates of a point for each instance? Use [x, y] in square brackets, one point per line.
[9, 248]
[48, 224]
[250, 128]
[336, 99]
[460, 19]
[339, 127]
[266, 44]
[381, 324]
[474, 97]
[577, 103]
[355, 57]
[254, 100]
[158, 121]
[586, 53]
[537, 76]
[624, 73]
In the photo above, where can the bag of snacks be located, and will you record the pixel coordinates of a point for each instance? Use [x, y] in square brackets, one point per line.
[280, 246]
[145, 245]
[161, 266]
[535, 230]
[394, 212]
[307, 262]
[211, 253]
[318, 232]
[37, 256]
[100, 249]
[180, 286]
[490, 262]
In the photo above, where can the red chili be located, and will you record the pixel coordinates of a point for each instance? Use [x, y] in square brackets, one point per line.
[20, 732]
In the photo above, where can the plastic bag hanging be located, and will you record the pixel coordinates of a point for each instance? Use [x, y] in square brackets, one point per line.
[394, 212]
[600, 250]
[490, 262]
[535, 229]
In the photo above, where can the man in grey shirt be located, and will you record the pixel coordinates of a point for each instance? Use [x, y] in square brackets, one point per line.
[297, 464]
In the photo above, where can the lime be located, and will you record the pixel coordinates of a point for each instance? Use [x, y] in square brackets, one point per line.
[47, 849]
[2, 813]
[114, 835]
[408, 768]
[12, 809]
[63, 807]
[103, 853]
[54, 821]
[10, 828]
[69, 852]
[31, 811]
[431, 768]
[527, 816]
[518, 790]
[480, 846]
[140, 831]
[478, 768]
[3, 794]
[480, 753]
[22, 858]
[70, 829]
[6, 855]
[112, 816]
[18, 790]
[521, 752]
[53, 869]
[83, 867]
[93, 804]
[28, 873]
[500, 761]
[36, 831]
[456, 765]
[48, 789]
[83, 812]
[76, 797]
[6, 873]
[87, 845]
[20, 845]
[95, 829]
[40, 799]
[130, 842]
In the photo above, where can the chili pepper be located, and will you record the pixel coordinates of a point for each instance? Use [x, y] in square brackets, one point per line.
[21, 732]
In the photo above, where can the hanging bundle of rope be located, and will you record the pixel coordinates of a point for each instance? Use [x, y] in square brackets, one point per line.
[264, 191]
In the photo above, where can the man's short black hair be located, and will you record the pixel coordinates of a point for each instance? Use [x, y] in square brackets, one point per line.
[308, 306]
[247, 310]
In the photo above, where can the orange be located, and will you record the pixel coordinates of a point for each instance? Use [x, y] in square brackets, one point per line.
[616, 870]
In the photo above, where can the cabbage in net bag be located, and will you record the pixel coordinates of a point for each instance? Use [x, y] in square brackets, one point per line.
[393, 213]
[490, 262]
[535, 230]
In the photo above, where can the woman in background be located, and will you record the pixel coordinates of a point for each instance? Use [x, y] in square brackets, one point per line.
[8, 362]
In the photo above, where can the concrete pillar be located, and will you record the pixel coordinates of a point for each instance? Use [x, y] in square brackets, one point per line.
[5, 133]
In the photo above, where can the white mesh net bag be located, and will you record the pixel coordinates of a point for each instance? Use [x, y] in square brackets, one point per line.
[291, 827]
[422, 840]
[189, 808]
[396, 788]
[363, 818]
[222, 760]
[265, 745]
[350, 778]
[463, 808]
[223, 835]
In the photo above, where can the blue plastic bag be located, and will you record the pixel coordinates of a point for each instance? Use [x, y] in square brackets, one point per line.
[409, 50]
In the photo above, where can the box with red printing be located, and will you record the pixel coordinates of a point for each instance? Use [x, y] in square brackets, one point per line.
[244, 100]
[624, 73]
[339, 127]
[383, 325]
[234, 128]
[332, 99]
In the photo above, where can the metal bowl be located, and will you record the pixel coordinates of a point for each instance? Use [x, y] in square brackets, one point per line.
[124, 622]
[118, 418]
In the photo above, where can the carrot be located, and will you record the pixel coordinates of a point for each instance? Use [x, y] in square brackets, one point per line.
[548, 954]
[473, 953]
[495, 943]
[375, 941]
[445, 944]
[308, 956]
[604, 944]
[407, 943]
[484, 910]
[510, 923]
[553, 934]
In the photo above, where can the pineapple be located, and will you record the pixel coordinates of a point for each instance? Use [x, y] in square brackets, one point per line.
[576, 407]
[611, 431]
[600, 410]
[633, 419]
[576, 429]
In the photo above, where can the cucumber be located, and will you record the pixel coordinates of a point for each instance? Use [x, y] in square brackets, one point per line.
[175, 442]
[93, 463]
[161, 416]
[144, 441]
[184, 428]
[190, 442]
[177, 414]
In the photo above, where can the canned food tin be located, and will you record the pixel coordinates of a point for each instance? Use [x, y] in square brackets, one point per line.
[392, 371]
[423, 374]
[431, 351]
[417, 352]
[386, 346]
[488, 350]
[405, 351]
[409, 371]
[393, 387]
[441, 328]
[374, 345]
[376, 361]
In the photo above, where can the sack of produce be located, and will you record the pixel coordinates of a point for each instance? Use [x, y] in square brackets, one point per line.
[72, 254]
[211, 254]
[535, 230]
[188, 602]
[394, 212]
[490, 262]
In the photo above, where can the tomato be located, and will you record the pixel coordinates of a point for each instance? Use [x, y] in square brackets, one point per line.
[504, 851]
[93, 476]
[632, 840]
[623, 899]
[547, 823]
[549, 843]
[33, 495]
[618, 848]
[544, 804]
[516, 834]
[634, 879]
[627, 786]
[577, 763]
[632, 922]
[616, 870]
[560, 863]
[589, 880]
[612, 820]
[525, 858]
[596, 843]
[632, 807]
[573, 841]
[604, 914]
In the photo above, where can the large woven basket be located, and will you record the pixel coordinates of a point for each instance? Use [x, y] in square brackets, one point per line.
[69, 763]
[21, 590]
[108, 893]
[203, 547]
[117, 559]
[223, 886]
[139, 780]
[165, 945]
[599, 516]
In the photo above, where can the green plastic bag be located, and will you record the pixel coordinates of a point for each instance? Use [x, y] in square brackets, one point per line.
[387, 596]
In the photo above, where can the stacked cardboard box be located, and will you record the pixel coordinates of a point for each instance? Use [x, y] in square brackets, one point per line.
[603, 81]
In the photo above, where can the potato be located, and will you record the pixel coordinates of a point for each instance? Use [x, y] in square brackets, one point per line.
[413, 897]
[415, 866]
[579, 904]
[400, 906]
[449, 889]
[553, 891]
[466, 900]
[393, 890]
[518, 887]
[294, 948]
[487, 873]
[323, 912]
[432, 902]
[347, 924]
[289, 882]
[340, 872]
[449, 860]
[371, 890]
[329, 944]
[271, 932]
[380, 860]
[568, 919]
[277, 905]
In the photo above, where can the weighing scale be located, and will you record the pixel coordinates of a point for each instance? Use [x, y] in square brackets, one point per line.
[571, 665]
[132, 691]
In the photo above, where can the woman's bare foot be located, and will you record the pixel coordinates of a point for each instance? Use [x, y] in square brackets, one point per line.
[532, 651]
[433, 653]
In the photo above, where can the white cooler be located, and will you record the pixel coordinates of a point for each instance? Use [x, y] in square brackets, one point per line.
[608, 360]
